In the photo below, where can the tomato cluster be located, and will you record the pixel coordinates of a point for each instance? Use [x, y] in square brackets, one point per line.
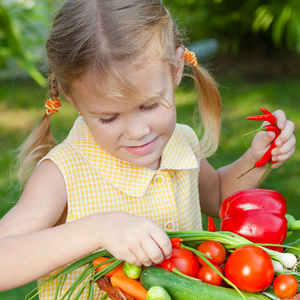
[249, 268]
[190, 264]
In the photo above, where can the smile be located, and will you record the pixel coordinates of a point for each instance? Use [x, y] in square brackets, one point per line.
[142, 150]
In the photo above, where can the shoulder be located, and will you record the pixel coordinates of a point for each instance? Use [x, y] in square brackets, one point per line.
[66, 151]
[42, 203]
[48, 179]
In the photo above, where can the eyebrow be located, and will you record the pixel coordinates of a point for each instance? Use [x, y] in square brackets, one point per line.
[100, 113]
[152, 96]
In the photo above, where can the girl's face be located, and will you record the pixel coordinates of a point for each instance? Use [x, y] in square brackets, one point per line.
[134, 130]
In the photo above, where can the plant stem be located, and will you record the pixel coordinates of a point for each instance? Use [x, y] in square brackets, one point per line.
[254, 131]
[267, 170]
[293, 224]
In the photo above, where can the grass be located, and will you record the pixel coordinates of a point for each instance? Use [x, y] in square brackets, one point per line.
[21, 106]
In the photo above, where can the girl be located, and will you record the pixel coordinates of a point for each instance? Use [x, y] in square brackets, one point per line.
[127, 172]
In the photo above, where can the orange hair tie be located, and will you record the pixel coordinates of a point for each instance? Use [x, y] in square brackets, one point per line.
[52, 106]
[190, 58]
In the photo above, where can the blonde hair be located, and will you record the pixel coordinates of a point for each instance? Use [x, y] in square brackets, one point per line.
[97, 37]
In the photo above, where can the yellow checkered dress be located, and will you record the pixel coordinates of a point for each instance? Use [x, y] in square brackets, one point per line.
[99, 182]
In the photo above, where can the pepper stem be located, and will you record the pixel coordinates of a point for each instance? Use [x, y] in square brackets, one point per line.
[268, 168]
[246, 172]
[254, 131]
[292, 223]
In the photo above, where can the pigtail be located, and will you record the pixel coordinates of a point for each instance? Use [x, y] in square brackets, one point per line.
[40, 141]
[210, 107]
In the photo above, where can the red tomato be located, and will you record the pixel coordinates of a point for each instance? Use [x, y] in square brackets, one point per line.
[209, 275]
[215, 250]
[185, 261]
[250, 268]
[285, 285]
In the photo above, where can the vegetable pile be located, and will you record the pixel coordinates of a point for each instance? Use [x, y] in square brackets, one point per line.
[246, 259]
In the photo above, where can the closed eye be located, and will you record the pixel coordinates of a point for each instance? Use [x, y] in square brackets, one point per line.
[150, 106]
[109, 120]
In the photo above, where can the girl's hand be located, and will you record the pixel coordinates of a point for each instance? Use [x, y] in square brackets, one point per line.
[137, 240]
[285, 142]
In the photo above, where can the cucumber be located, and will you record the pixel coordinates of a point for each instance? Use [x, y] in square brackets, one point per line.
[132, 271]
[180, 288]
[158, 293]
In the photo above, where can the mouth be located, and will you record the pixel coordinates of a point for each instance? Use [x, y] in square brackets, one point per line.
[143, 149]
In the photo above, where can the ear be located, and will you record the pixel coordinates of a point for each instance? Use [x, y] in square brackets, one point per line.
[179, 65]
[69, 98]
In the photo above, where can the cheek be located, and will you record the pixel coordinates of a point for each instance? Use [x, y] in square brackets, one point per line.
[167, 120]
[105, 136]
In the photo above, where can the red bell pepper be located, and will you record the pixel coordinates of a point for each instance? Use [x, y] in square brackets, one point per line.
[256, 214]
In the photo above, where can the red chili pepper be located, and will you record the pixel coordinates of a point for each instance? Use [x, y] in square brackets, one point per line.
[269, 117]
[273, 127]
[176, 242]
[267, 156]
[266, 112]
[167, 265]
[256, 214]
[211, 225]
[264, 160]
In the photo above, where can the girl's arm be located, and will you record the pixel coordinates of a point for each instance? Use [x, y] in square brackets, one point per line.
[216, 185]
[32, 246]
[29, 244]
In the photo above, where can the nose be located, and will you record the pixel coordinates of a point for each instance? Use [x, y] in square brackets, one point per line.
[135, 128]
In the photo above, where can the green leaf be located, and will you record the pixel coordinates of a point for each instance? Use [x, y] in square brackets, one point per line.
[263, 19]
[280, 25]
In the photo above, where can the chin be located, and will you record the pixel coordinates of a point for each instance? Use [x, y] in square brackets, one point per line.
[152, 165]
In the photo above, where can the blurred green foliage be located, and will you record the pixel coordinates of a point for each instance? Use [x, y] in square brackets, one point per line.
[23, 25]
[239, 22]
[234, 23]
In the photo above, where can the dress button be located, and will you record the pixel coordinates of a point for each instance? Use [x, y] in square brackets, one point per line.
[159, 180]
[170, 226]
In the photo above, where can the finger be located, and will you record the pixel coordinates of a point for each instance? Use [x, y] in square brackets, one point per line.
[283, 157]
[281, 119]
[276, 165]
[133, 260]
[142, 258]
[163, 242]
[154, 252]
[285, 148]
[147, 253]
[127, 255]
[138, 255]
[264, 139]
[286, 134]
